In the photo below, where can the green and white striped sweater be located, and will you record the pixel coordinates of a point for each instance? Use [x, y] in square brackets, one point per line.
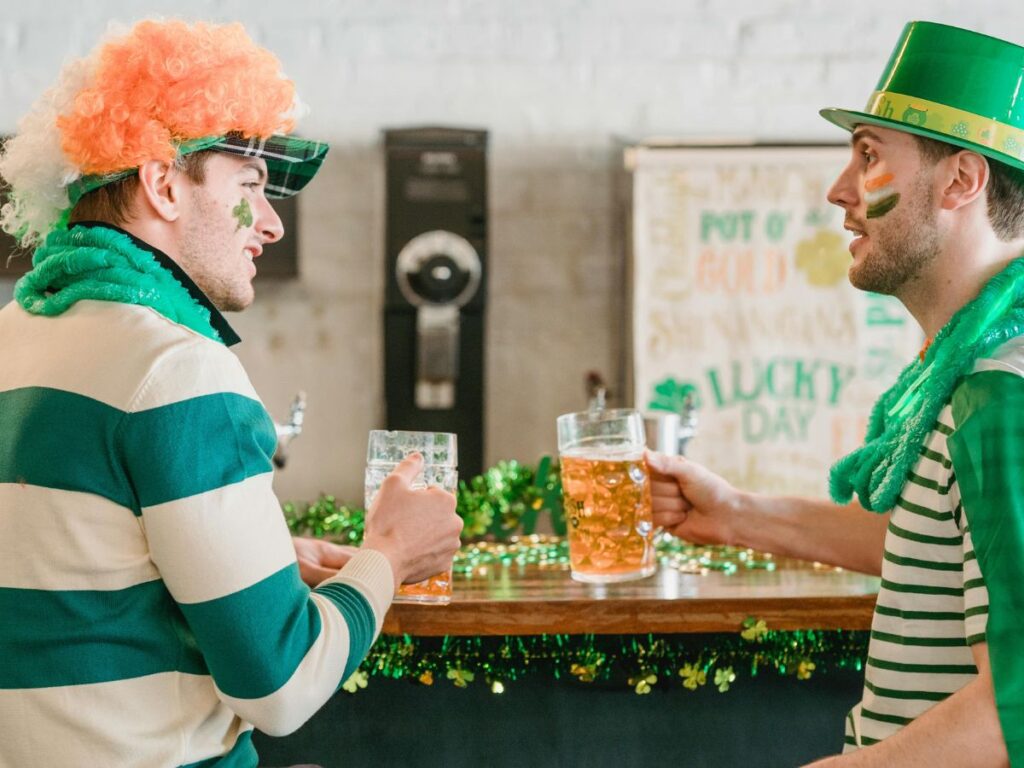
[933, 603]
[152, 609]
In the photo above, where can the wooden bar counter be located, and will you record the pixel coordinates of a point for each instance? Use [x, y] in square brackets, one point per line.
[542, 599]
[767, 719]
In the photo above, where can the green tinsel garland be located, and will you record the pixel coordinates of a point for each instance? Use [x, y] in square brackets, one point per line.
[506, 498]
[509, 497]
[495, 501]
[642, 662]
[325, 518]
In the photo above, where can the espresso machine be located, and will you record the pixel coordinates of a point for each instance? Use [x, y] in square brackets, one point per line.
[436, 254]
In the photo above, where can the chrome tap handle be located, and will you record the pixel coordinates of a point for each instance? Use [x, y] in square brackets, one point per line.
[597, 392]
[687, 423]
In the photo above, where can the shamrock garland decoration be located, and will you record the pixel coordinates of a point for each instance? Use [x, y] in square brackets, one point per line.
[723, 678]
[461, 677]
[693, 676]
[356, 680]
[500, 501]
[754, 629]
[643, 683]
[511, 495]
[640, 662]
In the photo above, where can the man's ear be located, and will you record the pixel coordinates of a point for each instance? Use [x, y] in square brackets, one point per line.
[161, 186]
[965, 177]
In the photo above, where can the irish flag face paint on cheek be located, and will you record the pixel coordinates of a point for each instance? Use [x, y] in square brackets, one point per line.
[880, 196]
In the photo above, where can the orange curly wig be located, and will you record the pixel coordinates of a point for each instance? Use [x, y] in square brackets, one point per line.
[169, 81]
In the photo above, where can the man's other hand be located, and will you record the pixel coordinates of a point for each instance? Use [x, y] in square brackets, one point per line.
[319, 559]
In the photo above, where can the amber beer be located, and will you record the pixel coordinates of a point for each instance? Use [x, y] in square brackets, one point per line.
[607, 495]
[440, 460]
[436, 589]
[608, 517]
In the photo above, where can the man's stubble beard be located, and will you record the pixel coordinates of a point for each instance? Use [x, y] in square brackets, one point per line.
[201, 249]
[903, 247]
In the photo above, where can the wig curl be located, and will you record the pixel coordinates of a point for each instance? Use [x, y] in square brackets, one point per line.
[135, 99]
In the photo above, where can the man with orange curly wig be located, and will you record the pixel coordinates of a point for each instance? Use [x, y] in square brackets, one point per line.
[154, 606]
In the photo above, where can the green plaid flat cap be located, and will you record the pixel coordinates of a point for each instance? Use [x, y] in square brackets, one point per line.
[291, 162]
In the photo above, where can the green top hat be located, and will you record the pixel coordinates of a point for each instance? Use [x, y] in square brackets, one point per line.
[951, 85]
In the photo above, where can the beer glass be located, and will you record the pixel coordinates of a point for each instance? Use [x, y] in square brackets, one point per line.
[440, 461]
[607, 495]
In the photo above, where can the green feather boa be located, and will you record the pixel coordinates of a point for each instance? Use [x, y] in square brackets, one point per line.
[104, 265]
[904, 416]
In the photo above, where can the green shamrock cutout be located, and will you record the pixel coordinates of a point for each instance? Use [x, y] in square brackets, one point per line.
[723, 677]
[754, 630]
[358, 680]
[693, 676]
[643, 684]
[461, 677]
[804, 670]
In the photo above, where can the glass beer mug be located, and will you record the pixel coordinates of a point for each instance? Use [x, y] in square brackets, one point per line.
[607, 494]
[440, 461]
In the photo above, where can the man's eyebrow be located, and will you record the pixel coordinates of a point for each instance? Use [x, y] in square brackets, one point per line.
[254, 166]
[865, 133]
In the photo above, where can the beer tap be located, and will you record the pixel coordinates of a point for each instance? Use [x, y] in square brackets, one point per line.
[288, 432]
[597, 392]
[687, 423]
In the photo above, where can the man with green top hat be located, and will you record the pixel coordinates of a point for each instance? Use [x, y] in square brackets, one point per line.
[934, 196]
[154, 606]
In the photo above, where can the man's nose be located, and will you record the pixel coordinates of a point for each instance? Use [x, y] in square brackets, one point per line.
[269, 224]
[844, 191]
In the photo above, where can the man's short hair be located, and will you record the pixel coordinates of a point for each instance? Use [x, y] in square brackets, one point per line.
[112, 203]
[1005, 193]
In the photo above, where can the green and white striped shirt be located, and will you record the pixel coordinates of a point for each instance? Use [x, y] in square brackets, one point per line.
[152, 609]
[933, 603]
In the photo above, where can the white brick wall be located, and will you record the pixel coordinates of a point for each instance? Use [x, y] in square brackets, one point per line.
[556, 82]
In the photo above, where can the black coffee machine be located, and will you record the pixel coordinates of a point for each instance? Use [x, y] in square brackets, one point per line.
[436, 246]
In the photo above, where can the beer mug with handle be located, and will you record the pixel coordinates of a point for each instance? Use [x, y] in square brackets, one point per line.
[440, 467]
[607, 494]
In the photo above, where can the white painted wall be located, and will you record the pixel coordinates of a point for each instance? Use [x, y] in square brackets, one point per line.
[557, 82]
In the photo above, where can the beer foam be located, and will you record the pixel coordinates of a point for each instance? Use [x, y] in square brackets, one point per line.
[604, 453]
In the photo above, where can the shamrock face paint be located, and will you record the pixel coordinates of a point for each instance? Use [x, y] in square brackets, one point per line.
[880, 196]
[243, 214]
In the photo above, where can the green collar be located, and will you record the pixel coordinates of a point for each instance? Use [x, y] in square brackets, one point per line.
[104, 263]
[904, 416]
